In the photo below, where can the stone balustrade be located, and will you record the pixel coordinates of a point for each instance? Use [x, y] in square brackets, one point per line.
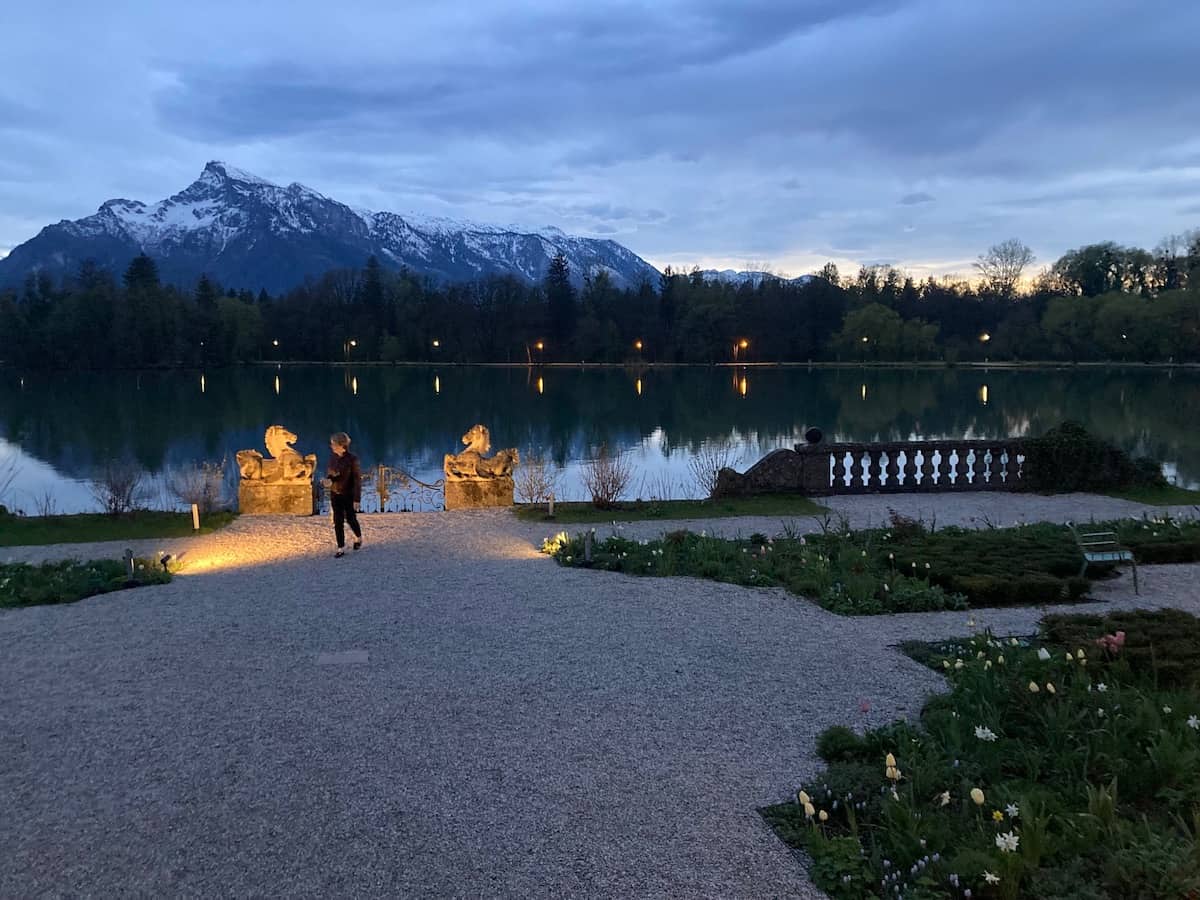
[911, 466]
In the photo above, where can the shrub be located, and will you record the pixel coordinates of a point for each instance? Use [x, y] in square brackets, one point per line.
[709, 459]
[119, 487]
[606, 477]
[837, 743]
[201, 484]
[535, 480]
[1068, 458]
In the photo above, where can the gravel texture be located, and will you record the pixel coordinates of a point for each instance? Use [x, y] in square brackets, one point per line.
[445, 713]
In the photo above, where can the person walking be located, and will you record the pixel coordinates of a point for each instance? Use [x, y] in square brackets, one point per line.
[345, 491]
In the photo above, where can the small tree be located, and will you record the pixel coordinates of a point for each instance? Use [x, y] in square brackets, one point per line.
[606, 477]
[9, 469]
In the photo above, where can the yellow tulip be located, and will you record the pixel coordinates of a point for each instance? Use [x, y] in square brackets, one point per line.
[804, 801]
[1033, 688]
[809, 810]
[1050, 688]
[1000, 660]
[977, 796]
[889, 761]
[823, 816]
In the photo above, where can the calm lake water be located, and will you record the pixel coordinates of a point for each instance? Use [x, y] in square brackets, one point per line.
[58, 428]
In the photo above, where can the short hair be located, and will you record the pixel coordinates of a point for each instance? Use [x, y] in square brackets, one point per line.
[340, 438]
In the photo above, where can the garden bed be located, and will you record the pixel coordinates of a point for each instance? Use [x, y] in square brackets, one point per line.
[66, 582]
[1062, 767]
[637, 510]
[906, 567]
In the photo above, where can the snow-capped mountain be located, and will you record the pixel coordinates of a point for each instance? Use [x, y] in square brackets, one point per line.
[247, 232]
[752, 278]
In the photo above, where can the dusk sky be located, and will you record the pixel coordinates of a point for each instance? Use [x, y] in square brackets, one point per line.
[723, 133]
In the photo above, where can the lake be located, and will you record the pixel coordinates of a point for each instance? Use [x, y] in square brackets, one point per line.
[58, 428]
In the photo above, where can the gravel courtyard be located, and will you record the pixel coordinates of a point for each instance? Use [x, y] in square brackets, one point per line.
[446, 713]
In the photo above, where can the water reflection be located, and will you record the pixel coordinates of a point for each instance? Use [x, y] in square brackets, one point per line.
[70, 424]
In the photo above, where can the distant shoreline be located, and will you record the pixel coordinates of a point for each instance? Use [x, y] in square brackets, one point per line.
[814, 364]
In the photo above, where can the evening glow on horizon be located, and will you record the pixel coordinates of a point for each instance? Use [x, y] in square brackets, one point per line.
[919, 161]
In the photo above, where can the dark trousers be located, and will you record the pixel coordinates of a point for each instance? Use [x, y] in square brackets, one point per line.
[343, 511]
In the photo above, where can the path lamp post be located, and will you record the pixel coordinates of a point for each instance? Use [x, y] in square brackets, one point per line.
[739, 344]
[983, 339]
[348, 346]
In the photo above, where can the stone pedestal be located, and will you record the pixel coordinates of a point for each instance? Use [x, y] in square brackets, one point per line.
[479, 492]
[280, 498]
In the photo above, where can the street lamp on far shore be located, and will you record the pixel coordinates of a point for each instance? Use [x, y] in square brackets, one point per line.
[739, 344]
[348, 346]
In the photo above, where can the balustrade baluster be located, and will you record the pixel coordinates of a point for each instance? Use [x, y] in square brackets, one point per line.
[839, 472]
[910, 469]
[856, 471]
[961, 480]
[891, 475]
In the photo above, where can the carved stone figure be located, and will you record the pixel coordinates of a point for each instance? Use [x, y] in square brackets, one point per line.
[285, 464]
[474, 480]
[471, 464]
[279, 484]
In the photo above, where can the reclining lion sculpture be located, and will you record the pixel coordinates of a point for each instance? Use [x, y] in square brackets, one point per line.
[285, 464]
[471, 464]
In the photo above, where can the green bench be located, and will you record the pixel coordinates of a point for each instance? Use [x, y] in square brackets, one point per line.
[1102, 547]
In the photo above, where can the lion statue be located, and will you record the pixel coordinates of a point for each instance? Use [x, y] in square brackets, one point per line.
[285, 463]
[471, 463]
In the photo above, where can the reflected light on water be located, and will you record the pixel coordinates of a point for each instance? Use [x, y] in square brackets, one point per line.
[541, 385]
[202, 382]
[983, 395]
[437, 384]
[743, 386]
[638, 386]
[276, 385]
[354, 385]
[864, 392]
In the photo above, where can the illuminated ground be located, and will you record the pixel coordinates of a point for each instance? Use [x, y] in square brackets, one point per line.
[445, 713]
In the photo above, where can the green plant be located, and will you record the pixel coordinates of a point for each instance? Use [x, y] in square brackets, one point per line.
[1046, 772]
[837, 743]
[66, 582]
[1068, 458]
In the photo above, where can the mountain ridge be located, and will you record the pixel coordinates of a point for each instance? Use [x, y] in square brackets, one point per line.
[248, 232]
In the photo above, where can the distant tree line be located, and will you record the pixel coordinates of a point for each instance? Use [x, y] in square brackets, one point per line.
[1099, 302]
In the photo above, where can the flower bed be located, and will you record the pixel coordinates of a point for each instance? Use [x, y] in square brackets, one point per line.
[903, 568]
[1064, 767]
[66, 582]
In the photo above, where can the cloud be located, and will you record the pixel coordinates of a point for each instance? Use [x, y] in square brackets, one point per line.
[715, 129]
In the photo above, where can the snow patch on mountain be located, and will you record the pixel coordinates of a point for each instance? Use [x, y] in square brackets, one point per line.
[250, 232]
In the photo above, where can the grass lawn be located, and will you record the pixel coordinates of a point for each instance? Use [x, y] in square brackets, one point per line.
[764, 505]
[1065, 767]
[1168, 495]
[17, 531]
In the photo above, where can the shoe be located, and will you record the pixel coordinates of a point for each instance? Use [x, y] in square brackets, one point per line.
[358, 544]
[339, 554]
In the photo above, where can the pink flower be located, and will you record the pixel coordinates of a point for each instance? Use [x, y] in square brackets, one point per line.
[1112, 642]
[864, 706]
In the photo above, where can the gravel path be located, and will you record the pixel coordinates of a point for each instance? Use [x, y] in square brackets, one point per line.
[445, 713]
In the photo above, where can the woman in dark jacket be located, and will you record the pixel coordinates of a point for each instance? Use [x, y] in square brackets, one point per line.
[345, 490]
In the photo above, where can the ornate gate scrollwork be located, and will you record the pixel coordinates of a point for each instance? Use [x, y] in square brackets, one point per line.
[404, 492]
[392, 489]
